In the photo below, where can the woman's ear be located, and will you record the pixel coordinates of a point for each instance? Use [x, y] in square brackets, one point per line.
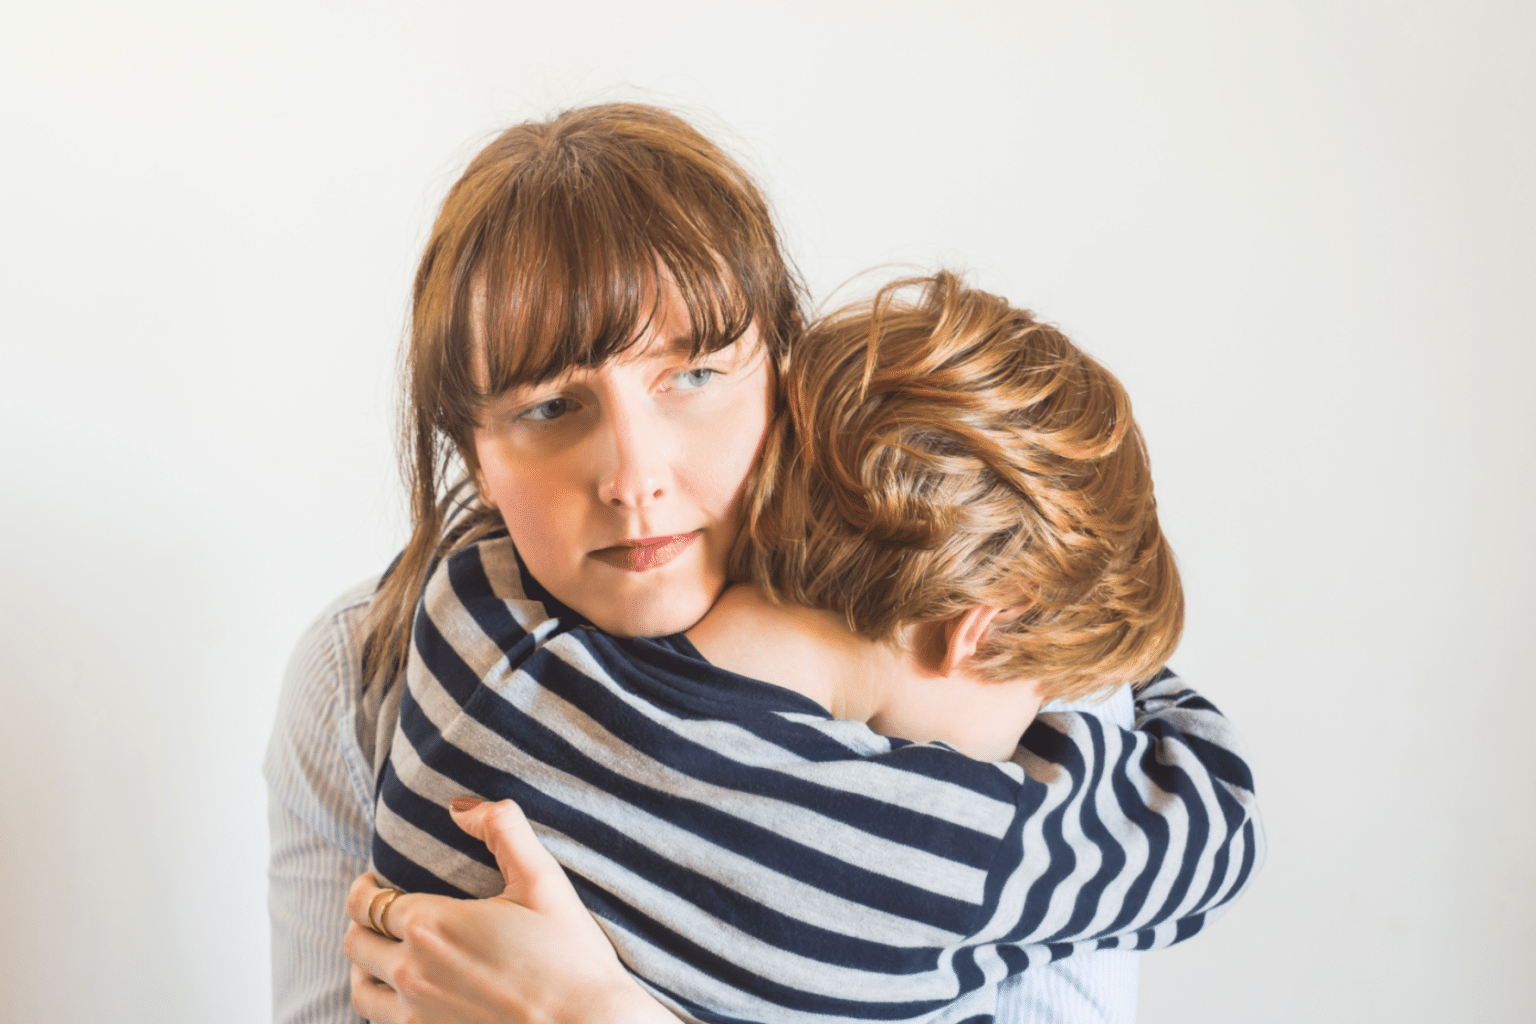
[481, 491]
[963, 633]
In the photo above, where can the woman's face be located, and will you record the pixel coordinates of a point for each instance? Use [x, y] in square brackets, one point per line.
[620, 485]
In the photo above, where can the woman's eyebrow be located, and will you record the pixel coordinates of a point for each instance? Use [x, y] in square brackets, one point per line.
[680, 345]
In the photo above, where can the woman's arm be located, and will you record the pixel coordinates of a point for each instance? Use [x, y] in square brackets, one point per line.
[320, 809]
[319, 771]
[534, 953]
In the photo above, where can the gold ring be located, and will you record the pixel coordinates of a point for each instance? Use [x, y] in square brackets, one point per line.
[376, 911]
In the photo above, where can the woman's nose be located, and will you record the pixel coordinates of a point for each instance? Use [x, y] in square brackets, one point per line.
[635, 473]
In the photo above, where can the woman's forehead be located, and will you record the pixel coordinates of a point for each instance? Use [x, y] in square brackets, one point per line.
[653, 353]
[663, 330]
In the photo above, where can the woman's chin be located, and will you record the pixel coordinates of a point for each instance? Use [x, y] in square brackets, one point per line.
[659, 617]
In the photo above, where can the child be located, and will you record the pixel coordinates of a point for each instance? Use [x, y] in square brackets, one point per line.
[953, 524]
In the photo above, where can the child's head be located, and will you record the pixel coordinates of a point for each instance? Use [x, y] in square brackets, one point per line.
[563, 245]
[944, 450]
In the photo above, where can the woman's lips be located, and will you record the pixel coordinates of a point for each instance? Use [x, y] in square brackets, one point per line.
[646, 553]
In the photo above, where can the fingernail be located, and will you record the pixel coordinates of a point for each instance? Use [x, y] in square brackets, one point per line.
[464, 803]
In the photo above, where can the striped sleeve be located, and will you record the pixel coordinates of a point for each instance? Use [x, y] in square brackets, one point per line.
[1127, 839]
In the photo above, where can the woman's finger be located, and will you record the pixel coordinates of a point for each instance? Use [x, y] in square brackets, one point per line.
[530, 872]
[372, 952]
[374, 1000]
[368, 907]
[364, 888]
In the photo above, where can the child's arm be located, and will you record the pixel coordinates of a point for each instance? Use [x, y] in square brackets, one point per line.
[1126, 839]
[1132, 837]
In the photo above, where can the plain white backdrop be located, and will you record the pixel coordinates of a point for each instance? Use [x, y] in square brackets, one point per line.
[1304, 234]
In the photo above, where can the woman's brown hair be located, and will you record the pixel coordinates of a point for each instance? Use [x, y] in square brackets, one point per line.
[551, 252]
[943, 449]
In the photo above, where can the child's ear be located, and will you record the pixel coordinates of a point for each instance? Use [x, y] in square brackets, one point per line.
[963, 633]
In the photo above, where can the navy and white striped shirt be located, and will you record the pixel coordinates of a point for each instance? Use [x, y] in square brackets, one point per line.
[328, 742]
[752, 858]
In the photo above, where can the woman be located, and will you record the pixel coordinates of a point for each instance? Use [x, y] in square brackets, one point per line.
[552, 254]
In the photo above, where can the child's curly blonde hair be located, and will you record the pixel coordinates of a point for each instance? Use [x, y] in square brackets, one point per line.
[943, 449]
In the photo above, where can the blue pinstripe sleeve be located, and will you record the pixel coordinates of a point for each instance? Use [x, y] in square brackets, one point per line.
[320, 811]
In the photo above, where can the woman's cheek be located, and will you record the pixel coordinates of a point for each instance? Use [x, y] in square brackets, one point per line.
[733, 444]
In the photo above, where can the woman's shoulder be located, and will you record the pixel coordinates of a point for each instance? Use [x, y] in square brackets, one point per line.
[327, 659]
[326, 727]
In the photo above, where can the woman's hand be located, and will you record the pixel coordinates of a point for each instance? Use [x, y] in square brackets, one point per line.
[532, 954]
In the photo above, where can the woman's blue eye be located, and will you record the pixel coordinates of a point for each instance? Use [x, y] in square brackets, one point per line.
[545, 411]
[690, 380]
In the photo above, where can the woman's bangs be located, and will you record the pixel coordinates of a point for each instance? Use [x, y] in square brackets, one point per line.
[538, 321]
[721, 304]
[580, 288]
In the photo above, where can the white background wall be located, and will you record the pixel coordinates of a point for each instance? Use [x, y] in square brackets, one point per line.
[1303, 233]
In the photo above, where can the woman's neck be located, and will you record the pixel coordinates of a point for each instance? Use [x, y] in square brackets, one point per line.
[895, 689]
